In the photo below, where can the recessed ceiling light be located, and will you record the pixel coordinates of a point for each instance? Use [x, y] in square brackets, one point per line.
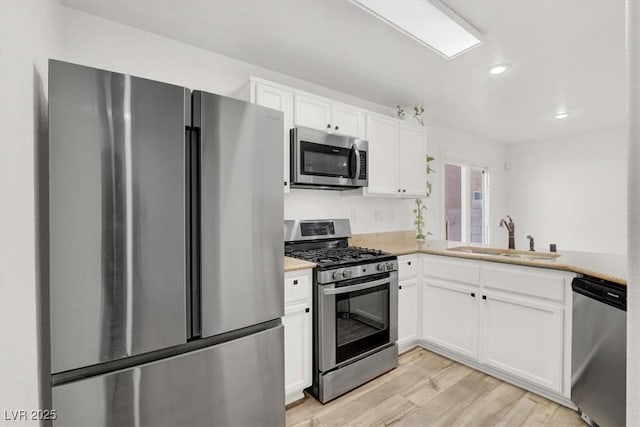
[430, 23]
[498, 69]
[562, 115]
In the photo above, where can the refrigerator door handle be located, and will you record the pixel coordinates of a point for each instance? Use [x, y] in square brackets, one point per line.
[194, 314]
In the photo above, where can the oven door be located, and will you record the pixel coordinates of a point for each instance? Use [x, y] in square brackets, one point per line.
[322, 159]
[356, 317]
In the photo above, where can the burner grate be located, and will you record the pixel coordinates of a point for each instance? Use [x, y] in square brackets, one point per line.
[334, 255]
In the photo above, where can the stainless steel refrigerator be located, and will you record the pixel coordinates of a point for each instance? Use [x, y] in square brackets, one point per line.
[166, 281]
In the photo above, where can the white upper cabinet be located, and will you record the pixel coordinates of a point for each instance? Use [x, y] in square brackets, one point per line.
[281, 100]
[382, 134]
[313, 112]
[347, 120]
[322, 114]
[397, 158]
[397, 149]
[413, 160]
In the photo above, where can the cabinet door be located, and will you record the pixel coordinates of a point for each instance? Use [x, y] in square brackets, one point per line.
[523, 338]
[347, 120]
[297, 350]
[382, 134]
[408, 267]
[450, 316]
[280, 100]
[312, 112]
[412, 161]
[407, 311]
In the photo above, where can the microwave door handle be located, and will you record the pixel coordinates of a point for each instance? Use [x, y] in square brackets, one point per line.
[358, 287]
[355, 157]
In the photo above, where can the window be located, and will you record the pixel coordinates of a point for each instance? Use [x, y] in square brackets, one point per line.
[466, 195]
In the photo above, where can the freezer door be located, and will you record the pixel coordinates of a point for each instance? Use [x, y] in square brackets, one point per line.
[117, 215]
[238, 383]
[242, 255]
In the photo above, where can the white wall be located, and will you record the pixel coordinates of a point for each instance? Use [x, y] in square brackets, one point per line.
[570, 191]
[367, 214]
[633, 151]
[97, 42]
[383, 214]
[453, 144]
[28, 35]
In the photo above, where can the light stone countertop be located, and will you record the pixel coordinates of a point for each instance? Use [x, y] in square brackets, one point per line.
[292, 264]
[611, 267]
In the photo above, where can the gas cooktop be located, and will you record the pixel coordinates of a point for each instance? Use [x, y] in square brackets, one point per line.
[333, 257]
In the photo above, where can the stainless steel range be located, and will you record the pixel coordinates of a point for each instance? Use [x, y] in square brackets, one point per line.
[355, 306]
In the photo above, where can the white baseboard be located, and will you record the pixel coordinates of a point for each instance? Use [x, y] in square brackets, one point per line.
[293, 397]
[407, 344]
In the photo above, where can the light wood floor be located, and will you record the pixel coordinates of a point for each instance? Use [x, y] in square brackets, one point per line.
[430, 390]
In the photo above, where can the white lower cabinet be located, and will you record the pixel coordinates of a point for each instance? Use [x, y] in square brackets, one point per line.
[407, 313]
[513, 321]
[522, 337]
[297, 322]
[297, 350]
[408, 301]
[450, 316]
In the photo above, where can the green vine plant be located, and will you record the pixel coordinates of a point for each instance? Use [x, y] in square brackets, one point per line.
[418, 211]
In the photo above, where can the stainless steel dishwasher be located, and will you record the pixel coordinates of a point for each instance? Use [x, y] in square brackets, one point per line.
[599, 351]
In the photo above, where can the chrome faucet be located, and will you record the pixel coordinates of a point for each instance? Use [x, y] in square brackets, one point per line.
[511, 228]
[531, 248]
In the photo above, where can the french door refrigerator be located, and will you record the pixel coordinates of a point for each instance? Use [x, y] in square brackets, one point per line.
[166, 261]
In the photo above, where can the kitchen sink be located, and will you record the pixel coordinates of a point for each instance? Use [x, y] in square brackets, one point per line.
[509, 253]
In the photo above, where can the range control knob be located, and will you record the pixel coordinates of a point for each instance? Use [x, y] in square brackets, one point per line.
[390, 266]
[348, 274]
[337, 275]
[381, 267]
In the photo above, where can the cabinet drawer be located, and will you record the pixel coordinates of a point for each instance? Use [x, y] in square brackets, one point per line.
[296, 289]
[407, 267]
[526, 281]
[450, 269]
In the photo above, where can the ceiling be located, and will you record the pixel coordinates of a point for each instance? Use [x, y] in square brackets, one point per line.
[564, 54]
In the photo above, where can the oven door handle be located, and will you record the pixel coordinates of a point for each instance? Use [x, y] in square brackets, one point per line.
[358, 287]
[355, 158]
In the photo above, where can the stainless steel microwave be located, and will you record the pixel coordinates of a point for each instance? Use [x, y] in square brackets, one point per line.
[327, 161]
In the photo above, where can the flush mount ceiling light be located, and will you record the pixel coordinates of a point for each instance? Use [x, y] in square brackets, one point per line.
[562, 115]
[430, 23]
[498, 69]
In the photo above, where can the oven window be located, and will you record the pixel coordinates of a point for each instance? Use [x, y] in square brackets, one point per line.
[325, 160]
[362, 321]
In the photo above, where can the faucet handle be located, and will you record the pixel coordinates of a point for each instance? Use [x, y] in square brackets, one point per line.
[531, 244]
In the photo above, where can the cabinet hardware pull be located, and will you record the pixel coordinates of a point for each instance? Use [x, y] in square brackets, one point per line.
[484, 297]
[398, 190]
[409, 263]
[337, 127]
[295, 282]
[473, 294]
[404, 190]
[329, 126]
[306, 310]
[399, 286]
[285, 183]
